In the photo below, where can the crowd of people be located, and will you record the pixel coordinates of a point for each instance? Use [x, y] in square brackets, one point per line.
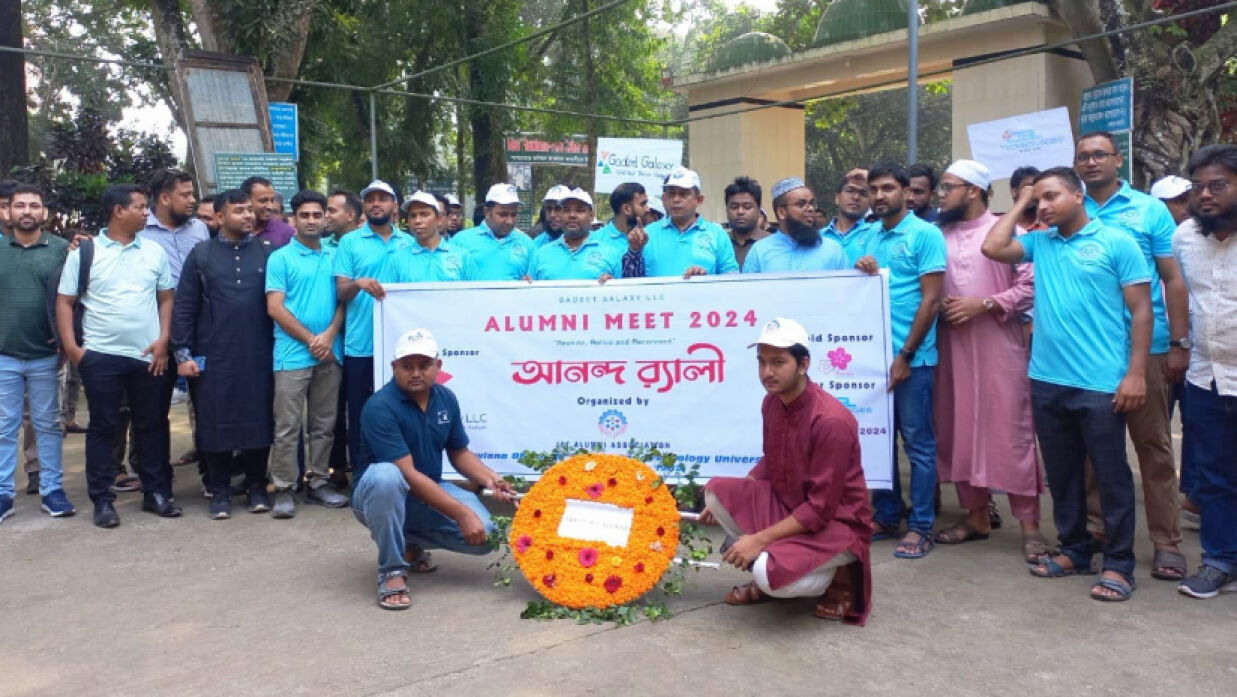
[1046, 334]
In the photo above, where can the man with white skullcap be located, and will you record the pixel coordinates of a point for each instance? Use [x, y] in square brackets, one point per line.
[985, 436]
[798, 244]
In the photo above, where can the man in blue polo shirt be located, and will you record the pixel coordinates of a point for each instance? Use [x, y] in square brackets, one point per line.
[630, 205]
[501, 252]
[1087, 368]
[848, 227]
[431, 258]
[578, 254]
[551, 219]
[300, 298]
[797, 245]
[365, 260]
[913, 251]
[399, 494]
[683, 243]
[1149, 222]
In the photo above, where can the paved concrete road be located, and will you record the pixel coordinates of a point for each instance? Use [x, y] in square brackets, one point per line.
[258, 606]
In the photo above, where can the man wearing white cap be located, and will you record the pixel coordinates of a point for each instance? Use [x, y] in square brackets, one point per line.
[431, 258]
[801, 515]
[576, 254]
[364, 261]
[1174, 191]
[454, 215]
[985, 438]
[501, 252]
[798, 244]
[683, 244]
[551, 219]
[399, 494]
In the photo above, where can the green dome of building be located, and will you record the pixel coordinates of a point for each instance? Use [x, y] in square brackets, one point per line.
[847, 20]
[752, 47]
[974, 6]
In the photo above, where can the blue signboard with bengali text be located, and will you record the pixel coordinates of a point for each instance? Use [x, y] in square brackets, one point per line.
[285, 129]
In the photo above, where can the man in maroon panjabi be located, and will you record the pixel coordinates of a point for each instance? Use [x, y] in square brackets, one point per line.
[801, 516]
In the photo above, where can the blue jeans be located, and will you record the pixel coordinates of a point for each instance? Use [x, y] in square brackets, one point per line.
[1074, 424]
[1212, 429]
[1187, 476]
[36, 380]
[381, 502]
[912, 419]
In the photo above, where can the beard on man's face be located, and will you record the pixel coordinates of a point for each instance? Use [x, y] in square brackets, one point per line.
[952, 215]
[802, 233]
[378, 221]
[1225, 219]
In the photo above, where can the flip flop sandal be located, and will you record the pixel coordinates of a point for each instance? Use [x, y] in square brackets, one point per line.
[1168, 565]
[880, 531]
[994, 515]
[1034, 550]
[959, 533]
[746, 594]
[1054, 570]
[919, 549]
[421, 562]
[1123, 590]
[385, 594]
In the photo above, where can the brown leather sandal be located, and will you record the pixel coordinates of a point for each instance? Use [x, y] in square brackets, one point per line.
[746, 594]
[838, 597]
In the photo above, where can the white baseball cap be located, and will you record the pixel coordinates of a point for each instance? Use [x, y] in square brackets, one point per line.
[656, 204]
[502, 194]
[780, 332]
[556, 193]
[451, 200]
[577, 195]
[422, 197]
[682, 178]
[418, 342]
[1170, 187]
[378, 185]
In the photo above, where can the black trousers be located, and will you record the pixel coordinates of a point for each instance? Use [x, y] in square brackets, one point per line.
[219, 467]
[359, 385]
[339, 448]
[107, 380]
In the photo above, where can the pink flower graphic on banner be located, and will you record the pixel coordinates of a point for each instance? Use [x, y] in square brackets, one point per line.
[839, 358]
[443, 377]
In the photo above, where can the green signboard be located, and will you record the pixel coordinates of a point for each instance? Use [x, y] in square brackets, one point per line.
[232, 168]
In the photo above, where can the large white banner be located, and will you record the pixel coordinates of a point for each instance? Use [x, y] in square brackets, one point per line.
[643, 160]
[663, 361]
[1042, 139]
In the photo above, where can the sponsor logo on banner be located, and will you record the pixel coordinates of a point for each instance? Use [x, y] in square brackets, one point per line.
[612, 423]
[854, 408]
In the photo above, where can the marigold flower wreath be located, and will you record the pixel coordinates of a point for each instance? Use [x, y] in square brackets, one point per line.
[584, 573]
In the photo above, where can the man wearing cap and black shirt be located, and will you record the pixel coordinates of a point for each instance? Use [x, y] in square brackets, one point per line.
[431, 258]
[684, 244]
[798, 245]
[577, 254]
[801, 516]
[364, 261]
[500, 251]
[743, 212]
[453, 215]
[550, 221]
[399, 494]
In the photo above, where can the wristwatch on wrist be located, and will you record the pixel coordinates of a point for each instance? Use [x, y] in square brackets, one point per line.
[1182, 343]
[908, 355]
[989, 304]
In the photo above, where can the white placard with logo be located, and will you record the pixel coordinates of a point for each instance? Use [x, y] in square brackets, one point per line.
[662, 361]
[1042, 139]
[646, 161]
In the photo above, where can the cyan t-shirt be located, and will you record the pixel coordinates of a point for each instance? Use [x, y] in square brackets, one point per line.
[556, 262]
[913, 248]
[852, 240]
[364, 254]
[780, 252]
[1150, 223]
[497, 259]
[446, 262]
[612, 237]
[1081, 334]
[306, 278]
[704, 244]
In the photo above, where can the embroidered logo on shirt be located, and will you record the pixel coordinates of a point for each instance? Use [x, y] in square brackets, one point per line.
[444, 417]
[1089, 251]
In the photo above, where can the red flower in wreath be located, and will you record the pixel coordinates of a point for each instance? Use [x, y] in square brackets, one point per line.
[522, 544]
[613, 583]
[595, 490]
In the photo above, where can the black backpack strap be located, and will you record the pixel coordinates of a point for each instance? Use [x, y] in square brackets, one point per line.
[85, 251]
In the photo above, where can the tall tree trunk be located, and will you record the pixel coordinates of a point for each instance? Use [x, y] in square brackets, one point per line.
[14, 127]
[489, 160]
[590, 87]
[287, 63]
[170, 36]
